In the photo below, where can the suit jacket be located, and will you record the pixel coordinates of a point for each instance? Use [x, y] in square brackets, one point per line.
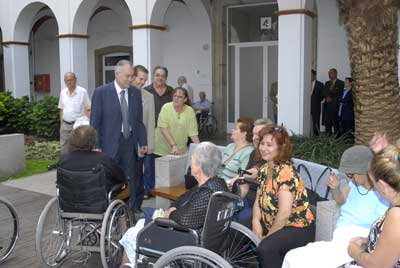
[149, 116]
[330, 109]
[106, 118]
[347, 113]
[316, 98]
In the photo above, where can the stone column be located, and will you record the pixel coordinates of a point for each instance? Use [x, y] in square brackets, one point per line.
[16, 68]
[295, 63]
[73, 57]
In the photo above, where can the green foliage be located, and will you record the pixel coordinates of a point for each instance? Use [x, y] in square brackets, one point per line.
[45, 118]
[325, 150]
[34, 167]
[40, 118]
[43, 151]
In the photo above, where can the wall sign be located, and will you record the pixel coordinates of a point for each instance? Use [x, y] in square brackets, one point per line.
[265, 23]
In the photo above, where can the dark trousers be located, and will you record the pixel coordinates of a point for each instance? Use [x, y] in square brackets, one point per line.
[139, 184]
[315, 123]
[149, 175]
[273, 249]
[126, 158]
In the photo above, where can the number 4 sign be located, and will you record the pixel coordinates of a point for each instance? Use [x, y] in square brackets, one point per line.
[265, 23]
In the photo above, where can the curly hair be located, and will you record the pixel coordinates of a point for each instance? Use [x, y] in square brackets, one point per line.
[83, 138]
[281, 137]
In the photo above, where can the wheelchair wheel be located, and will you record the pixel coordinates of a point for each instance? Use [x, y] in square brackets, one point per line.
[211, 125]
[242, 248]
[116, 221]
[191, 257]
[9, 228]
[51, 237]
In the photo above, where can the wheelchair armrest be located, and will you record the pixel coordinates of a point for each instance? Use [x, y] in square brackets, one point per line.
[167, 223]
[115, 190]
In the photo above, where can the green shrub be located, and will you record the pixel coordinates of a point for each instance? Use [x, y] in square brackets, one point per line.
[325, 150]
[46, 118]
[14, 113]
[43, 151]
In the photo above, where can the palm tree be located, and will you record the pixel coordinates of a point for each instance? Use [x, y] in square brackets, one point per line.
[372, 38]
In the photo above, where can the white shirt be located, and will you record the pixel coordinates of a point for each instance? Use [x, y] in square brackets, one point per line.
[74, 105]
[119, 89]
[189, 90]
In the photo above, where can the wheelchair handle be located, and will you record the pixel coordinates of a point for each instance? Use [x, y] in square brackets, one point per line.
[167, 223]
[52, 166]
[243, 172]
[243, 180]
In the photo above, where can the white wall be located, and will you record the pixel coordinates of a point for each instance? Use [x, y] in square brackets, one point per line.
[45, 55]
[106, 29]
[186, 48]
[332, 42]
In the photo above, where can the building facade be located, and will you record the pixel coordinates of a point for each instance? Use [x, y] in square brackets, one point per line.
[234, 50]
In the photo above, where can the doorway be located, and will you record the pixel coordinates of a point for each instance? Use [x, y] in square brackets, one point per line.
[252, 62]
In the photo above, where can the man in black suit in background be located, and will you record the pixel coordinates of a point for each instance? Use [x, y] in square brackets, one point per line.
[332, 90]
[316, 97]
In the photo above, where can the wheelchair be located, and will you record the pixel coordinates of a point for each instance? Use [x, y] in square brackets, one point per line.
[223, 243]
[9, 228]
[83, 218]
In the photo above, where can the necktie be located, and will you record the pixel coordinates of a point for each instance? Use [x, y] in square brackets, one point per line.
[125, 116]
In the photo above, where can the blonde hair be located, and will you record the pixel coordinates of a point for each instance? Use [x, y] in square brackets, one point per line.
[385, 166]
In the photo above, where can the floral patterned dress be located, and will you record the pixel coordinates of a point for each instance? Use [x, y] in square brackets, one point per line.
[373, 238]
[283, 176]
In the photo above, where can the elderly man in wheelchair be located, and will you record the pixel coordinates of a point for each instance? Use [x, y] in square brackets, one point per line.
[83, 217]
[196, 230]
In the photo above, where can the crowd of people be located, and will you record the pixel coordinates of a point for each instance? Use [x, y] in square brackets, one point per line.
[131, 125]
[337, 107]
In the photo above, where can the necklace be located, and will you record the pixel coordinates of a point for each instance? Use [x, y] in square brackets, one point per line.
[358, 190]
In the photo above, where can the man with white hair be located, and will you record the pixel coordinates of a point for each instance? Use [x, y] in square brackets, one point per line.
[182, 82]
[74, 103]
[117, 116]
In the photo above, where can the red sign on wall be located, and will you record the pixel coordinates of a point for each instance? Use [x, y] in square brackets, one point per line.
[42, 83]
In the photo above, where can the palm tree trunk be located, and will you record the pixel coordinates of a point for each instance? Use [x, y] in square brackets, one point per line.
[372, 38]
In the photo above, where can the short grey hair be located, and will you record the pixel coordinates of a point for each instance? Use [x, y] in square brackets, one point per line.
[263, 122]
[182, 78]
[202, 93]
[209, 158]
[120, 64]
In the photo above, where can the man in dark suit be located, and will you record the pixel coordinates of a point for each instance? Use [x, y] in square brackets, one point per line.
[316, 97]
[117, 116]
[332, 90]
[346, 109]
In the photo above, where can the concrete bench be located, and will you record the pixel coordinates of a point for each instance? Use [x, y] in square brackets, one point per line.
[12, 156]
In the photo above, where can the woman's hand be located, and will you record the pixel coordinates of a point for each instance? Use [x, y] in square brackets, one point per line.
[169, 211]
[231, 182]
[175, 150]
[362, 242]
[378, 142]
[333, 181]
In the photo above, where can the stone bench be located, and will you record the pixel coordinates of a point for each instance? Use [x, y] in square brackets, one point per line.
[12, 156]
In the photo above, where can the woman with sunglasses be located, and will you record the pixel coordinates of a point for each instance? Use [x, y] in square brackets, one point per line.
[360, 207]
[282, 218]
[176, 123]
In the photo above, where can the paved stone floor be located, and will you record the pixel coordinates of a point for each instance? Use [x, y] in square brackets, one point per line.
[29, 196]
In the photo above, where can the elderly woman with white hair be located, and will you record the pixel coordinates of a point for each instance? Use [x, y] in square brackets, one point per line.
[189, 209]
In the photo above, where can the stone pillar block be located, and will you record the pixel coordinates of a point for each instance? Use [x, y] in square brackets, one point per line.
[170, 170]
[12, 156]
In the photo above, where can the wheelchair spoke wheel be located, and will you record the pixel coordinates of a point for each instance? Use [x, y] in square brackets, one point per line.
[211, 125]
[51, 237]
[117, 220]
[242, 248]
[191, 257]
[9, 229]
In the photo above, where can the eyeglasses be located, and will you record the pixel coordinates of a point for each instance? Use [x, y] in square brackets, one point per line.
[179, 97]
[350, 176]
[279, 128]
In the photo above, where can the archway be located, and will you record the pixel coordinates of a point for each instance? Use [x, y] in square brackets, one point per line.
[106, 22]
[186, 20]
[37, 25]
